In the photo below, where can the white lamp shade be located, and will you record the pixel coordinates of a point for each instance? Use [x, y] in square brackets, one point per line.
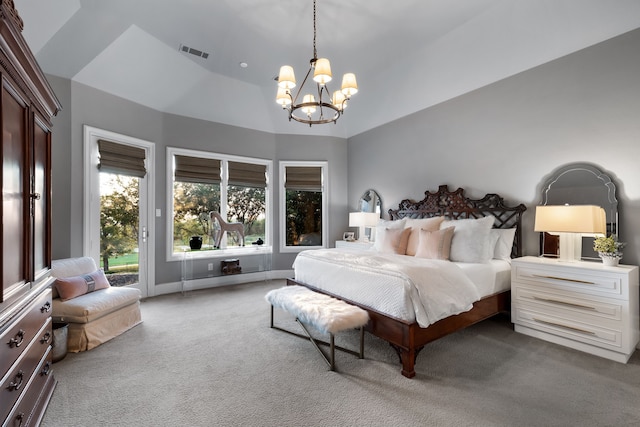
[310, 109]
[570, 219]
[322, 71]
[349, 85]
[363, 219]
[282, 97]
[338, 100]
[286, 77]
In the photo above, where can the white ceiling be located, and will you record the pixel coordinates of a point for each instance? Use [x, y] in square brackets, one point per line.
[407, 54]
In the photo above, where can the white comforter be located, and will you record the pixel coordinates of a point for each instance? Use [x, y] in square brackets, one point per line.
[434, 289]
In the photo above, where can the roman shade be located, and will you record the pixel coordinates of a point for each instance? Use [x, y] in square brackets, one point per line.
[121, 159]
[197, 170]
[306, 178]
[247, 174]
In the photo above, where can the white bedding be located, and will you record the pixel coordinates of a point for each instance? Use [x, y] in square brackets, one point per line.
[405, 287]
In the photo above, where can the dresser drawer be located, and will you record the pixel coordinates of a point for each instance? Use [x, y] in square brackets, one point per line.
[571, 328]
[569, 305]
[15, 339]
[581, 280]
[16, 379]
[30, 406]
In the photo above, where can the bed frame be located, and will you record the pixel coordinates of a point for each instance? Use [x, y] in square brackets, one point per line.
[409, 338]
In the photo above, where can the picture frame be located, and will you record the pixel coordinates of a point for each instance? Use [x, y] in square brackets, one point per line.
[349, 236]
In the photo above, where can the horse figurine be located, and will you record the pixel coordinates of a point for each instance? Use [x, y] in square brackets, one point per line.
[237, 227]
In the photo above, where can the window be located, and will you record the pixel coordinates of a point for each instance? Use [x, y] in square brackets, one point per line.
[235, 187]
[303, 201]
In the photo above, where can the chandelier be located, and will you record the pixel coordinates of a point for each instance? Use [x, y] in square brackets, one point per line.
[318, 108]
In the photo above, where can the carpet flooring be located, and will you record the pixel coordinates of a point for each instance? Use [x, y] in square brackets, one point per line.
[209, 358]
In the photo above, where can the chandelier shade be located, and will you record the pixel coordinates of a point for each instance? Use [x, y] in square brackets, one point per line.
[318, 105]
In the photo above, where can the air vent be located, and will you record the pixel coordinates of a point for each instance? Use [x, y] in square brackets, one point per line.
[192, 51]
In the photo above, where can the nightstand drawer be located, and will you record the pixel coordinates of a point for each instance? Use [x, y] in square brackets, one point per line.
[568, 328]
[583, 280]
[568, 304]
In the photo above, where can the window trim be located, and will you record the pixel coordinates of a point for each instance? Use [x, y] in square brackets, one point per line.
[324, 165]
[224, 158]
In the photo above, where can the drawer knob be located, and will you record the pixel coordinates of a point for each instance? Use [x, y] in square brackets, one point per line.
[46, 307]
[45, 338]
[19, 418]
[46, 369]
[17, 381]
[17, 340]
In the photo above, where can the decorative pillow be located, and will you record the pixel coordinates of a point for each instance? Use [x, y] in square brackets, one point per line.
[381, 228]
[395, 240]
[72, 287]
[471, 242]
[429, 224]
[435, 244]
[504, 242]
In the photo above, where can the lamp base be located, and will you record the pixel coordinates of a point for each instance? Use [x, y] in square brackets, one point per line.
[570, 247]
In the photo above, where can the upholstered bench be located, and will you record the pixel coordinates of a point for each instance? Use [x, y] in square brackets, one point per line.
[326, 314]
[94, 316]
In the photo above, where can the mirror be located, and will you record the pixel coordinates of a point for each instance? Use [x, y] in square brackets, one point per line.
[579, 184]
[370, 202]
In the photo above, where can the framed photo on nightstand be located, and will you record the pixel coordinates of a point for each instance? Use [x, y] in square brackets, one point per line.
[349, 236]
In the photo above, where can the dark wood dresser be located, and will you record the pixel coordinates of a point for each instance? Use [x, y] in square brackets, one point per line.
[26, 335]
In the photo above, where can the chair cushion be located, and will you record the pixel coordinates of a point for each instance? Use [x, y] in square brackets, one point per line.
[94, 305]
[69, 267]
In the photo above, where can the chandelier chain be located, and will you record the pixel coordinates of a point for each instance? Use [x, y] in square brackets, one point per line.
[315, 53]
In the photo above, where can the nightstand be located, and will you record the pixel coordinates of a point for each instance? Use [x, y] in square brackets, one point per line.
[362, 246]
[582, 305]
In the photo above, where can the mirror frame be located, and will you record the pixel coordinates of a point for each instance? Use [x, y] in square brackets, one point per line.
[611, 210]
[373, 194]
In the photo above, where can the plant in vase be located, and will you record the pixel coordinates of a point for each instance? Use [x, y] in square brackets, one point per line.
[609, 249]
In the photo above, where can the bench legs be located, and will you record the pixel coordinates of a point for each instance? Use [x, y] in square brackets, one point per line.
[330, 361]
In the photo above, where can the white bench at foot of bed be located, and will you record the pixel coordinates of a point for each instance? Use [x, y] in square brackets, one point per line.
[326, 314]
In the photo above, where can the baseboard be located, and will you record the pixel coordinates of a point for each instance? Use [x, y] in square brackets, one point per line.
[217, 281]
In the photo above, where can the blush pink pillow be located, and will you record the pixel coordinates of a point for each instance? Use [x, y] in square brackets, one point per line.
[435, 244]
[72, 287]
[431, 224]
[395, 240]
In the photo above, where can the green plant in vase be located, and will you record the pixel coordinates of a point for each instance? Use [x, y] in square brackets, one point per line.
[609, 249]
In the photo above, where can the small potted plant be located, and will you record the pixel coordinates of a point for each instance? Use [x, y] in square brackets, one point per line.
[609, 249]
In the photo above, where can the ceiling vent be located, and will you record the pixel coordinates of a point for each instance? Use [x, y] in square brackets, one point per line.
[192, 51]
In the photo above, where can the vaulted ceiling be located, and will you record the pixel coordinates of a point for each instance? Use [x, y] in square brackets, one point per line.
[407, 54]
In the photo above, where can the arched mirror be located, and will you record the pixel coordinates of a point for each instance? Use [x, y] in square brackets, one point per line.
[370, 202]
[579, 184]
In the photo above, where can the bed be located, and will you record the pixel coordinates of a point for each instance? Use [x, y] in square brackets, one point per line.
[412, 301]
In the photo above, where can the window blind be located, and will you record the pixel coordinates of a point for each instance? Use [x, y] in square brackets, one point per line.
[307, 178]
[197, 170]
[121, 159]
[247, 174]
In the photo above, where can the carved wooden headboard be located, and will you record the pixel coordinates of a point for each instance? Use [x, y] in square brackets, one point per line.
[454, 205]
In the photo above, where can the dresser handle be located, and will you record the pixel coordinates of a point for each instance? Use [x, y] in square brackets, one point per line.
[570, 304]
[584, 282]
[46, 369]
[17, 381]
[17, 340]
[20, 419]
[46, 307]
[560, 325]
[45, 338]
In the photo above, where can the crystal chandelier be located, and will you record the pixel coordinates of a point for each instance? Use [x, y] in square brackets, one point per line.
[318, 108]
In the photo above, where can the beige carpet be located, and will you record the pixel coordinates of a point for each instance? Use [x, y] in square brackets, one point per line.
[210, 359]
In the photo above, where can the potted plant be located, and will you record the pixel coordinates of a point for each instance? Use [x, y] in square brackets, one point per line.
[609, 249]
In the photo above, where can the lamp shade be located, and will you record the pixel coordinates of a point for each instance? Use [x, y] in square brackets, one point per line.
[363, 219]
[570, 219]
[322, 71]
[286, 77]
[349, 85]
[282, 97]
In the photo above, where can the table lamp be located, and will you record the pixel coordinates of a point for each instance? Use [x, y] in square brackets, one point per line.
[362, 220]
[570, 222]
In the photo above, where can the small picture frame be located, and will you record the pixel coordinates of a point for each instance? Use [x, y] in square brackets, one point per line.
[349, 236]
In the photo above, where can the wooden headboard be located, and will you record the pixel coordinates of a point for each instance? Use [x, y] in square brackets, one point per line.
[454, 205]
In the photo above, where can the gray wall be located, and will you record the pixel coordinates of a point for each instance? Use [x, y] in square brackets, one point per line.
[507, 137]
[84, 105]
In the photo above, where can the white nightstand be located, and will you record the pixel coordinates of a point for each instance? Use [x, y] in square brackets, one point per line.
[343, 244]
[582, 305]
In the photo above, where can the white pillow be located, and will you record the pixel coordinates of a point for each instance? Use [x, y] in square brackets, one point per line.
[504, 243]
[383, 224]
[471, 239]
[429, 224]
